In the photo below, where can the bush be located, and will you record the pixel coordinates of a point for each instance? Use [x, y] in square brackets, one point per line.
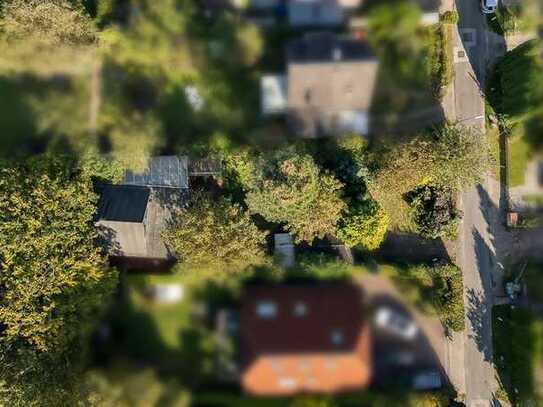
[215, 233]
[441, 65]
[433, 211]
[449, 296]
[449, 17]
[363, 224]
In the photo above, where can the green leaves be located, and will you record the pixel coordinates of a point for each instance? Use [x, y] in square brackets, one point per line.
[364, 224]
[289, 188]
[53, 276]
[215, 233]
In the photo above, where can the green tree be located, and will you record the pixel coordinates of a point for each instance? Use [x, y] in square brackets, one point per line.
[363, 224]
[215, 233]
[54, 281]
[453, 156]
[289, 188]
[124, 387]
[433, 211]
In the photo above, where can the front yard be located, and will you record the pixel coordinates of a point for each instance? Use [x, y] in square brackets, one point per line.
[518, 353]
[519, 153]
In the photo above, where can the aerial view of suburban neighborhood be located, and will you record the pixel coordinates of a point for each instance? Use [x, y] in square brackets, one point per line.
[271, 203]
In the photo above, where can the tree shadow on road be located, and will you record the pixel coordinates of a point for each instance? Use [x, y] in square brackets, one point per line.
[478, 315]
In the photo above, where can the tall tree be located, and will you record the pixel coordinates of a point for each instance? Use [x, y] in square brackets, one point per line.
[54, 282]
[288, 187]
[215, 233]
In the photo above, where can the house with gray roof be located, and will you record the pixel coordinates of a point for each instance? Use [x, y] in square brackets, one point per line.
[328, 87]
[320, 13]
[132, 215]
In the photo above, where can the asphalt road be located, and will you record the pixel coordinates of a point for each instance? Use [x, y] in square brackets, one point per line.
[481, 230]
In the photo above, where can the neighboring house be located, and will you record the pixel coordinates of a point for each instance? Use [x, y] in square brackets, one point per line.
[320, 13]
[303, 338]
[132, 215]
[328, 88]
[430, 10]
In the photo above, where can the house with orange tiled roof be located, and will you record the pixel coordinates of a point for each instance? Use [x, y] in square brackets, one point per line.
[304, 338]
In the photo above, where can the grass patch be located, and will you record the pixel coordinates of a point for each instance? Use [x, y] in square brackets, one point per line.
[536, 199]
[166, 335]
[518, 352]
[518, 154]
[493, 136]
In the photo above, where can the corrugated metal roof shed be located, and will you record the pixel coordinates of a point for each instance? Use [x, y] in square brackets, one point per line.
[163, 171]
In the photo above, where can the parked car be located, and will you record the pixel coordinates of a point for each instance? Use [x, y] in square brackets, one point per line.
[427, 380]
[489, 6]
[394, 322]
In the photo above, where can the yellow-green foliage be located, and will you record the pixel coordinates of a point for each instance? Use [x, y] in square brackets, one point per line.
[364, 224]
[45, 38]
[215, 233]
[452, 156]
[53, 278]
[290, 188]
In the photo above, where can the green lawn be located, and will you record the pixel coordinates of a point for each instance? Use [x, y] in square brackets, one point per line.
[518, 155]
[518, 353]
[163, 334]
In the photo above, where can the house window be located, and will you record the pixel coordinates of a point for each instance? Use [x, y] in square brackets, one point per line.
[336, 336]
[266, 309]
[300, 309]
[287, 382]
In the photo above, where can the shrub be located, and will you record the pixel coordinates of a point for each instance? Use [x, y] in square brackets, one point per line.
[215, 233]
[449, 17]
[363, 224]
[441, 65]
[433, 211]
[449, 296]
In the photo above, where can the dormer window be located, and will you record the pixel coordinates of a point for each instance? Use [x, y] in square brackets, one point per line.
[266, 309]
[336, 336]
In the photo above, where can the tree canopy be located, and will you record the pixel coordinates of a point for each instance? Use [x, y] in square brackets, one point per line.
[215, 233]
[453, 156]
[363, 224]
[289, 188]
[54, 280]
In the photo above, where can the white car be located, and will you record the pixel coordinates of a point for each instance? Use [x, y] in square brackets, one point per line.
[393, 322]
[489, 6]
